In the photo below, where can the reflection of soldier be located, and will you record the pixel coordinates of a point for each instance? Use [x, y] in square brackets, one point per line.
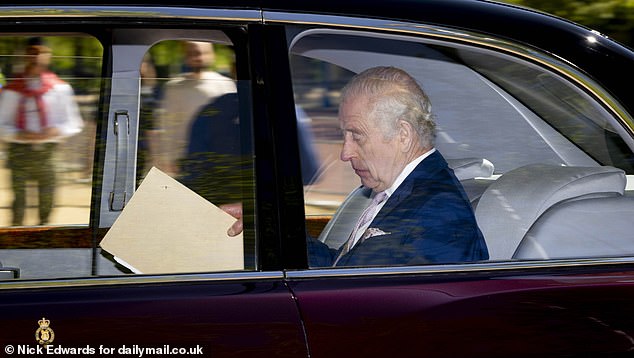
[182, 99]
[38, 110]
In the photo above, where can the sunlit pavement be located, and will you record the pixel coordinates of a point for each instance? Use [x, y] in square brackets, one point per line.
[72, 197]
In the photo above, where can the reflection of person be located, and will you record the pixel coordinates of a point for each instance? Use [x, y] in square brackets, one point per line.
[38, 110]
[183, 97]
[216, 166]
[424, 215]
[148, 103]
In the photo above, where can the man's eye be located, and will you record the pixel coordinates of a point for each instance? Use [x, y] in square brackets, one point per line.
[356, 137]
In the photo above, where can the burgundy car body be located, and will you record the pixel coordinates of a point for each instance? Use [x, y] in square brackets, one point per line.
[279, 307]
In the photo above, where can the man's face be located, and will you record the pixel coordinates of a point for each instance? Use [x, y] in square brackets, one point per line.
[37, 58]
[375, 159]
[198, 55]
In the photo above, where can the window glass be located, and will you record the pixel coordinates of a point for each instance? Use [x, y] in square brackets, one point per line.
[50, 91]
[49, 100]
[192, 129]
[180, 82]
[515, 135]
[562, 106]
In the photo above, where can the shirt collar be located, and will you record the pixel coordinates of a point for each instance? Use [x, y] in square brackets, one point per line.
[409, 168]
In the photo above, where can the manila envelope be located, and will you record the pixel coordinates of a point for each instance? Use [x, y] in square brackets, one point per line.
[168, 228]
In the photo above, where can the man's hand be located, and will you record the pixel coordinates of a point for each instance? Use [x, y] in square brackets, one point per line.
[235, 210]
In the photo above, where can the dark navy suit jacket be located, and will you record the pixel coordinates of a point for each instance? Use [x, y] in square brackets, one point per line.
[428, 219]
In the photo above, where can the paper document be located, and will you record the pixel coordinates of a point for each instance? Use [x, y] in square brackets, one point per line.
[168, 228]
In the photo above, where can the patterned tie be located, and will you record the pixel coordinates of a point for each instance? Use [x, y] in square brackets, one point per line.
[365, 218]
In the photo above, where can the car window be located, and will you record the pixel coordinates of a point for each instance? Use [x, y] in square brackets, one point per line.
[193, 156]
[170, 109]
[48, 128]
[178, 80]
[192, 130]
[49, 97]
[527, 144]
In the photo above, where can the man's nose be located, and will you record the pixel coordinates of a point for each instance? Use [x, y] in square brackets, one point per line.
[346, 151]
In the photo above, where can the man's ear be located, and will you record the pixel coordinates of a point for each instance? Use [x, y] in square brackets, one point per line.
[406, 135]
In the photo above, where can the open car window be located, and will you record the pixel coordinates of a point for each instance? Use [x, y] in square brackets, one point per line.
[543, 161]
[167, 134]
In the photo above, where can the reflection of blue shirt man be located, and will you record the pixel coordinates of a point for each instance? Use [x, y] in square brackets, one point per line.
[388, 140]
[215, 164]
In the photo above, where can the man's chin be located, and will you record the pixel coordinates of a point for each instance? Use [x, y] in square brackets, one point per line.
[369, 184]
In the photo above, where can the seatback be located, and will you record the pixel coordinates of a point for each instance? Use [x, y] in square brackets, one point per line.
[336, 232]
[586, 227]
[338, 229]
[514, 202]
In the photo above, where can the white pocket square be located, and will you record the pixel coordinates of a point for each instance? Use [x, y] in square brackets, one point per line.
[372, 232]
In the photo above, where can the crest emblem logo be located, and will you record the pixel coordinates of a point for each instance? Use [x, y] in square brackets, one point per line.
[44, 335]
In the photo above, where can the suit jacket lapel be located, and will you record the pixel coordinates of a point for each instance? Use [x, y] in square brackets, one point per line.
[425, 170]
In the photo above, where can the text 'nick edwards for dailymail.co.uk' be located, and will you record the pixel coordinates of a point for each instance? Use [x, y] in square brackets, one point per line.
[133, 350]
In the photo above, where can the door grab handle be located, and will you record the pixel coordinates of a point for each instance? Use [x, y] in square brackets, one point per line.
[118, 195]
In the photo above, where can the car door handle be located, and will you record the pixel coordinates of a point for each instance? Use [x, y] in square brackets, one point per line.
[118, 195]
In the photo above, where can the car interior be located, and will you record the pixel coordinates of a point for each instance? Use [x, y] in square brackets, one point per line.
[544, 164]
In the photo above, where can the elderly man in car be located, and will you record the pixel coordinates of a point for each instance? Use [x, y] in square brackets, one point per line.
[419, 212]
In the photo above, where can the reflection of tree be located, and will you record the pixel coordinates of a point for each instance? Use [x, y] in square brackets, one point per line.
[614, 18]
[76, 57]
[169, 56]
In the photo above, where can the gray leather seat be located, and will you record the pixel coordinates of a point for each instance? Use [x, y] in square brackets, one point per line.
[593, 227]
[518, 199]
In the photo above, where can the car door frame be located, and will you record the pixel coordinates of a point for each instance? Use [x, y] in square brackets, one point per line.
[98, 310]
[436, 309]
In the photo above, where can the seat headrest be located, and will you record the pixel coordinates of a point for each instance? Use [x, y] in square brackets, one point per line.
[469, 168]
[511, 204]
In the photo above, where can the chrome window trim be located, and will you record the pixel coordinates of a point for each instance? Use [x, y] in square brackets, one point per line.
[458, 269]
[21, 12]
[559, 65]
[132, 280]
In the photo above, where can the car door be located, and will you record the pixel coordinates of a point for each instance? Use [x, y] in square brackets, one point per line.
[72, 297]
[506, 113]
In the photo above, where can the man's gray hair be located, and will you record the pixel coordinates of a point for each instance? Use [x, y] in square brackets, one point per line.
[394, 95]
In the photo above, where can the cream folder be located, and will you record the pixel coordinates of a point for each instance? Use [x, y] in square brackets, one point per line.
[168, 228]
